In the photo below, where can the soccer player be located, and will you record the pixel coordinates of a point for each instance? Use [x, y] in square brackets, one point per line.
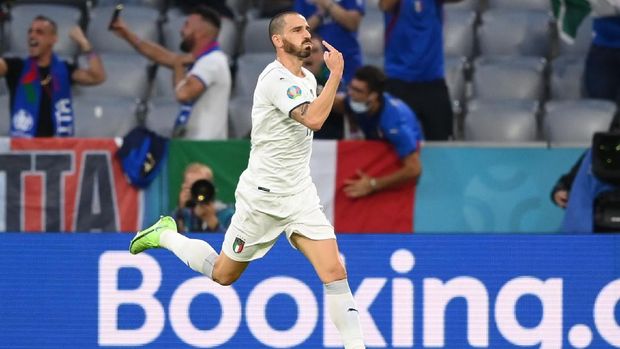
[275, 193]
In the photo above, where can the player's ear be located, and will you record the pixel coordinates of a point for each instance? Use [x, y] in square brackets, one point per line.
[276, 39]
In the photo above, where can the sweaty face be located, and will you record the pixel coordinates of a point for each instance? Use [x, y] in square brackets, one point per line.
[41, 38]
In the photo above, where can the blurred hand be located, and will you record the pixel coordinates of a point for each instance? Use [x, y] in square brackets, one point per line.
[333, 59]
[357, 188]
[561, 198]
[120, 28]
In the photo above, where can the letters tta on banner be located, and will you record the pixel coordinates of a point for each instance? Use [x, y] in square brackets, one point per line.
[65, 185]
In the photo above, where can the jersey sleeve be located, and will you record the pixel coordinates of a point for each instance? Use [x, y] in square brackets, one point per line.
[205, 70]
[286, 94]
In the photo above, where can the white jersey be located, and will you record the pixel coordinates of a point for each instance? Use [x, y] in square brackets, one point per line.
[209, 116]
[281, 147]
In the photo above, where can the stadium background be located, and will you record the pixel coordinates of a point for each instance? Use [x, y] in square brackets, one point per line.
[484, 266]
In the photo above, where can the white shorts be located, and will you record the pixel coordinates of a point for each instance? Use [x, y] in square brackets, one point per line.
[260, 217]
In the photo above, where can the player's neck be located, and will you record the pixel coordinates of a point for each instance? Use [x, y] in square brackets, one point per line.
[292, 63]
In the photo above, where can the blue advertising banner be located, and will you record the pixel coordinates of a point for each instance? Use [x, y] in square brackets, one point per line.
[421, 291]
[475, 189]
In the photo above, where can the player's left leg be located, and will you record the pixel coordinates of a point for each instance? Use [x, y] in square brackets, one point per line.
[325, 258]
[195, 253]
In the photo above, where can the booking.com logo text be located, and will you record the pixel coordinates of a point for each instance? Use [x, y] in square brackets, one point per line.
[437, 294]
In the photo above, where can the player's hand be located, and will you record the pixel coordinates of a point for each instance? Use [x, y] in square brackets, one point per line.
[561, 198]
[357, 188]
[76, 34]
[333, 59]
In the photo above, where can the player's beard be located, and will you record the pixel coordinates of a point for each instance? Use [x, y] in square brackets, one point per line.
[297, 51]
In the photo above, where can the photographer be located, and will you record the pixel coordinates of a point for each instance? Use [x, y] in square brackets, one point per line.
[594, 200]
[200, 213]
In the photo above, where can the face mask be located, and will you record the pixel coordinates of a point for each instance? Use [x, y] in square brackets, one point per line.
[358, 107]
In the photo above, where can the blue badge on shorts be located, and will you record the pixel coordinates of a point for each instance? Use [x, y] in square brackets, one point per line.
[293, 92]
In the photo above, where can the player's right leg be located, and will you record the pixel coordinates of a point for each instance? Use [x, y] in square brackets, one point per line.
[196, 253]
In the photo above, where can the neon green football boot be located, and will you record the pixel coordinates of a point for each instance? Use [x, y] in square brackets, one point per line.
[149, 237]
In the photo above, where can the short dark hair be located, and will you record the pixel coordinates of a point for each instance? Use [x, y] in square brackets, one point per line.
[277, 22]
[373, 76]
[49, 20]
[207, 14]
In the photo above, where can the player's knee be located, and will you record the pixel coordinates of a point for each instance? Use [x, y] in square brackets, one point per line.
[225, 279]
[333, 273]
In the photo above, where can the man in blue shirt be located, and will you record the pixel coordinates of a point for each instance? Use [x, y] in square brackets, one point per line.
[381, 116]
[414, 62]
[602, 68]
[337, 22]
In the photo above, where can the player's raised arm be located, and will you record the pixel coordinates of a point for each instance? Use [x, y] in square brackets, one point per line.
[314, 114]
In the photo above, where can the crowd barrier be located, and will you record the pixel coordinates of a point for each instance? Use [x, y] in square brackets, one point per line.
[412, 291]
[78, 185]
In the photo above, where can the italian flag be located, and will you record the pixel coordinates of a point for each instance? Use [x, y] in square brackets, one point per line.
[333, 162]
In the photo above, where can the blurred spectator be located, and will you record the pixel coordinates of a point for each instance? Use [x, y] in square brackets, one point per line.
[414, 62]
[40, 85]
[333, 128]
[382, 117]
[195, 212]
[602, 68]
[204, 91]
[337, 22]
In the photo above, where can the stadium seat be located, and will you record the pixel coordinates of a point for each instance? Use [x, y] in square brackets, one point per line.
[5, 116]
[104, 116]
[581, 43]
[472, 5]
[159, 5]
[3, 89]
[508, 78]
[256, 37]
[458, 32]
[66, 17]
[239, 7]
[142, 20]
[228, 38]
[501, 121]
[126, 76]
[371, 35]
[514, 32]
[576, 121]
[162, 86]
[567, 77]
[240, 117]
[161, 116]
[249, 67]
[520, 4]
[455, 79]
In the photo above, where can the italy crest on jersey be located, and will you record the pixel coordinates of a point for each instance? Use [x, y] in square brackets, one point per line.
[293, 92]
